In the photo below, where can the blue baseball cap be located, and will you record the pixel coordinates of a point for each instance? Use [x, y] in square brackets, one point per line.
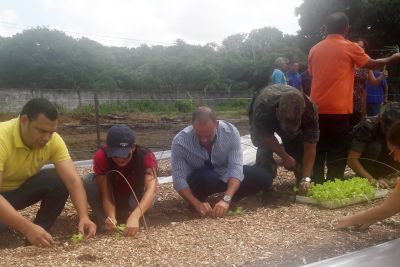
[120, 139]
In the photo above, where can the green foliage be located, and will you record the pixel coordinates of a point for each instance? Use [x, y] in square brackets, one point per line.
[339, 191]
[184, 106]
[237, 211]
[44, 58]
[236, 104]
[76, 238]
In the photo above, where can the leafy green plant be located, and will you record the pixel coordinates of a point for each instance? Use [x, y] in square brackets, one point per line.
[237, 211]
[340, 191]
[120, 230]
[76, 238]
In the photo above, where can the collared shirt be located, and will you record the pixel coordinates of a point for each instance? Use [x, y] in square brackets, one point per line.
[19, 162]
[331, 65]
[188, 155]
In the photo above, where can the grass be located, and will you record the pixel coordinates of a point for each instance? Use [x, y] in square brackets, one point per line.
[153, 106]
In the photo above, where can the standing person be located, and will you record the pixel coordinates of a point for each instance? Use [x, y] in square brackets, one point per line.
[293, 116]
[331, 64]
[369, 153]
[391, 205]
[109, 194]
[377, 93]
[207, 158]
[362, 77]
[26, 144]
[306, 82]
[293, 76]
[278, 75]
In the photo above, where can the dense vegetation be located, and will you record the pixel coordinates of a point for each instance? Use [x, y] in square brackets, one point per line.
[45, 58]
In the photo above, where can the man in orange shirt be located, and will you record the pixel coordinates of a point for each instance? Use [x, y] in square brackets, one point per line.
[331, 64]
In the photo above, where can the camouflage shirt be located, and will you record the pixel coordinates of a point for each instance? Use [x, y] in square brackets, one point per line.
[263, 118]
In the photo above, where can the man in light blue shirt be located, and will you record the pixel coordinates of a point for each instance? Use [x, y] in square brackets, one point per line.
[278, 75]
[207, 158]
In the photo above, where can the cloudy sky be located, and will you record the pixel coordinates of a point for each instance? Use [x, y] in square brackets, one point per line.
[132, 22]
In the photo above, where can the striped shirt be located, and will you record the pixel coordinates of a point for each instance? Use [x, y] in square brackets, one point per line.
[188, 155]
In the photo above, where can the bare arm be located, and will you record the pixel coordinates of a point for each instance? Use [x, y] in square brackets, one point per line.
[67, 173]
[34, 233]
[353, 160]
[389, 207]
[375, 81]
[132, 224]
[108, 204]
[385, 93]
[272, 143]
[308, 158]
[379, 63]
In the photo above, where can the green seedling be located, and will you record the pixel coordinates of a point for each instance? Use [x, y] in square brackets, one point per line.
[120, 230]
[237, 211]
[76, 238]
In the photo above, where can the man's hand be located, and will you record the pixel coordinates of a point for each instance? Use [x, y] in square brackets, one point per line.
[289, 162]
[132, 226]
[87, 227]
[38, 236]
[303, 187]
[110, 224]
[220, 209]
[203, 208]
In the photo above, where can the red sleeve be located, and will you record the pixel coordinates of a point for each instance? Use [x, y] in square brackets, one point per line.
[100, 163]
[149, 161]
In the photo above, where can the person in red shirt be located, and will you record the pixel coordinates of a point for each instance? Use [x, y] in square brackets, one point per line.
[120, 167]
[331, 64]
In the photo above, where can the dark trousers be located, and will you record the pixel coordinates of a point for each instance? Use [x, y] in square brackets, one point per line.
[373, 109]
[46, 187]
[332, 147]
[205, 182]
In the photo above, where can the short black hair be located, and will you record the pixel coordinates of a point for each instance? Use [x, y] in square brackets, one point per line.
[390, 115]
[336, 23]
[203, 114]
[36, 106]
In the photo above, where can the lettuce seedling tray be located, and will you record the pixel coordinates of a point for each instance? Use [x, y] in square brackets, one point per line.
[380, 193]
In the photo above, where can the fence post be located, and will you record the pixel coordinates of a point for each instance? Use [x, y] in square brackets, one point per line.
[96, 109]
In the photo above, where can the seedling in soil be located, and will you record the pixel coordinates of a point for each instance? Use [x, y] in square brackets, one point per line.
[120, 230]
[76, 238]
[237, 211]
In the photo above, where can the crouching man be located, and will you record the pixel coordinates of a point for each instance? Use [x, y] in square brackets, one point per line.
[26, 144]
[207, 158]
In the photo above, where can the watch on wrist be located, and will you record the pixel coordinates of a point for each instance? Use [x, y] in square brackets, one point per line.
[306, 179]
[227, 199]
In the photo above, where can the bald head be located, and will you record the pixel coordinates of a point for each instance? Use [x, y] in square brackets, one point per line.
[203, 114]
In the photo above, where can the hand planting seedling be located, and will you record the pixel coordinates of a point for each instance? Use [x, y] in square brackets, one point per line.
[76, 238]
[120, 230]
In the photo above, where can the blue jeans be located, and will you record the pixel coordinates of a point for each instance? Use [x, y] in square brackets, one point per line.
[205, 182]
[45, 186]
[124, 204]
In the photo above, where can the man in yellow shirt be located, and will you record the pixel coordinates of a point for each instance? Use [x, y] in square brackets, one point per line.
[26, 144]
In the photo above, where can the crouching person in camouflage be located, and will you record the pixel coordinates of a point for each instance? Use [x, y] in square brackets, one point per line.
[369, 155]
[289, 113]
